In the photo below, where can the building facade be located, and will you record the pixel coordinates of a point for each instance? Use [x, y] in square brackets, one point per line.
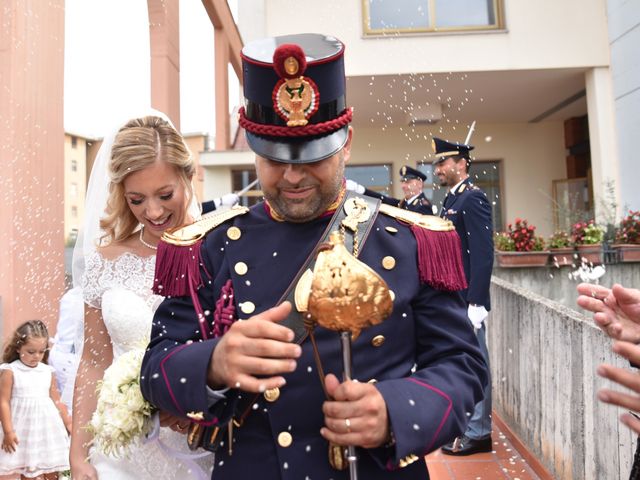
[538, 78]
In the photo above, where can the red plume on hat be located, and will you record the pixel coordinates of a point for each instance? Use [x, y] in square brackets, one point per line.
[282, 54]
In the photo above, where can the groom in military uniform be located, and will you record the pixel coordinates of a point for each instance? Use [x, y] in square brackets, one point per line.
[234, 347]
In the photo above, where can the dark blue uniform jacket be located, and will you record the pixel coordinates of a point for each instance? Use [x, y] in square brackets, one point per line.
[469, 210]
[427, 363]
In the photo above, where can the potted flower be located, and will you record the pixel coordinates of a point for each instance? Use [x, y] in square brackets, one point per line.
[627, 241]
[588, 237]
[561, 249]
[519, 246]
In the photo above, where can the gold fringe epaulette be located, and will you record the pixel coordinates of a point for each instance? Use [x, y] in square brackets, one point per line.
[430, 222]
[190, 234]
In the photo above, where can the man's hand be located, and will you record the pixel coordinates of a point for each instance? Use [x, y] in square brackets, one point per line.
[354, 186]
[625, 378]
[616, 310]
[176, 424]
[357, 415]
[477, 314]
[228, 200]
[255, 352]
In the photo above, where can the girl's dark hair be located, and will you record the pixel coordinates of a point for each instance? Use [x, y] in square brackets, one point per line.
[26, 331]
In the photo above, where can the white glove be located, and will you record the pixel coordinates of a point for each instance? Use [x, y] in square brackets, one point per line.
[476, 314]
[355, 187]
[228, 200]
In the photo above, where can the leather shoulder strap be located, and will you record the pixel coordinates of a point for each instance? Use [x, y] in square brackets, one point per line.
[294, 321]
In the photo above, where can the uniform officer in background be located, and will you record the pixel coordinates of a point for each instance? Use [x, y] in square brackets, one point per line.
[467, 206]
[230, 348]
[228, 200]
[412, 186]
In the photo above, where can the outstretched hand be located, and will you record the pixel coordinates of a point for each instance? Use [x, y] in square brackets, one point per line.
[356, 416]
[254, 353]
[626, 378]
[616, 310]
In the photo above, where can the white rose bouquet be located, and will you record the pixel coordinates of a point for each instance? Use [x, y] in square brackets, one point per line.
[122, 415]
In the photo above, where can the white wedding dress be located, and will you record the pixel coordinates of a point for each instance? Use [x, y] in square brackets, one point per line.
[122, 289]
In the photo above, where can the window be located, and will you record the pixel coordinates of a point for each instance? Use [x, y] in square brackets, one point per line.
[374, 177]
[74, 142]
[572, 203]
[74, 165]
[240, 179]
[484, 174]
[416, 16]
[73, 189]
[74, 212]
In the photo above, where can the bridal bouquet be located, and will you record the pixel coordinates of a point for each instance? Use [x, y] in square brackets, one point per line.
[122, 415]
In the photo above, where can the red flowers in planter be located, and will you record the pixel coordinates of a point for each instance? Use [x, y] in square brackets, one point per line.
[587, 233]
[524, 237]
[629, 229]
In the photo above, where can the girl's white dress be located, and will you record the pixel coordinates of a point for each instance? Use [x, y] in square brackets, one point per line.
[121, 288]
[43, 440]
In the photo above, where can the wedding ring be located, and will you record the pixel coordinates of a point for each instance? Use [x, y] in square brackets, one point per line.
[347, 422]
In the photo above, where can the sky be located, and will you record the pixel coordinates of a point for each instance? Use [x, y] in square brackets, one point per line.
[107, 65]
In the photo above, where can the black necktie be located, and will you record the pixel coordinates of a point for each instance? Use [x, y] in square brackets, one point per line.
[445, 203]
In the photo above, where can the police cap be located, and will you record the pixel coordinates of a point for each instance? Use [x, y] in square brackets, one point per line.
[444, 150]
[408, 173]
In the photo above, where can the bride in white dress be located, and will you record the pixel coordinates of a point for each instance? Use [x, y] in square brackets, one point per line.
[139, 187]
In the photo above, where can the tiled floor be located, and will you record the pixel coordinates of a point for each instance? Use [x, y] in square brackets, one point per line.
[508, 461]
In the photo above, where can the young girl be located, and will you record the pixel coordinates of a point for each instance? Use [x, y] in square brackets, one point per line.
[35, 423]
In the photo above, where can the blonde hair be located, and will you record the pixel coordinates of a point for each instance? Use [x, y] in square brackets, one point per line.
[138, 144]
[24, 333]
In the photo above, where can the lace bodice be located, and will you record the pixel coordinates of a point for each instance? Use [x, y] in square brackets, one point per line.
[121, 288]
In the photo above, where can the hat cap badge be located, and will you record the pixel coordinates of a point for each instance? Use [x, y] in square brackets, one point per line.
[295, 97]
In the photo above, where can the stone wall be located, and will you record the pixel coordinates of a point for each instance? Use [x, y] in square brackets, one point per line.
[543, 360]
[554, 282]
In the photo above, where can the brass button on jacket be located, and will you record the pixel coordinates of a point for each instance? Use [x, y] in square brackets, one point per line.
[388, 263]
[234, 233]
[272, 394]
[241, 268]
[247, 307]
[285, 439]
[377, 340]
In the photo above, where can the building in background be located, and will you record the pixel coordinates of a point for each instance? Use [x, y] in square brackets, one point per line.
[77, 154]
[198, 142]
[546, 82]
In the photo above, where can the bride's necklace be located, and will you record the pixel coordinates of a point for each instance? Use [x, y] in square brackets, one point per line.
[148, 245]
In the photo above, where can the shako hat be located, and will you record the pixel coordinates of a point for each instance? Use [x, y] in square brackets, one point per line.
[295, 105]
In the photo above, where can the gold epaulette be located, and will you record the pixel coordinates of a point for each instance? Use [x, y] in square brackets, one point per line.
[408, 460]
[430, 222]
[190, 234]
